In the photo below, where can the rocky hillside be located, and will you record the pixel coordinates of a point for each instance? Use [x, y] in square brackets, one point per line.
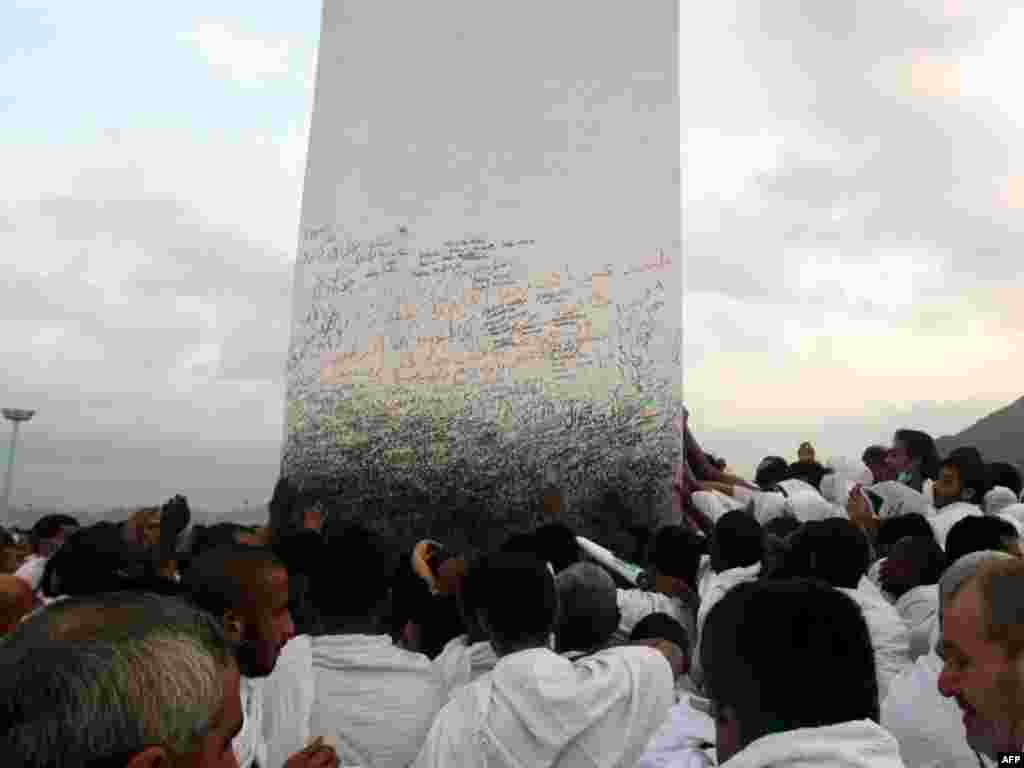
[999, 436]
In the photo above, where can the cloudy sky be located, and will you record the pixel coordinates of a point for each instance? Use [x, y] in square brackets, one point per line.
[853, 211]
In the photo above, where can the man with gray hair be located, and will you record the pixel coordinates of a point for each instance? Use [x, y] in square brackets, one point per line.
[118, 680]
[981, 616]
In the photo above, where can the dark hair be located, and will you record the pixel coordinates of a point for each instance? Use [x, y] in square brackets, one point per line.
[222, 579]
[798, 556]
[781, 526]
[439, 623]
[614, 509]
[842, 552]
[521, 543]
[50, 526]
[530, 617]
[588, 611]
[809, 471]
[556, 543]
[874, 454]
[715, 461]
[661, 626]
[977, 534]
[814, 629]
[353, 575]
[216, 536]
[410, 596]
[95, 560]
[920, 445]
[738, 539]
[771, 471]
[893, 529]
[971, 469]
[926, 552]
[281, 509]
[675, 551]
[470, 605]
[1005, 474]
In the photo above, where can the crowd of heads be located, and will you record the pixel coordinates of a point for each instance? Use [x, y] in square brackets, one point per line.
[136, 635]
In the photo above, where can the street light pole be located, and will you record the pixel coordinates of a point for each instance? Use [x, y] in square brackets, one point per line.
[15, 416]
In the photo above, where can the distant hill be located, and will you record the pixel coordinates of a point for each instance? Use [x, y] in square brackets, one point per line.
[999, 436]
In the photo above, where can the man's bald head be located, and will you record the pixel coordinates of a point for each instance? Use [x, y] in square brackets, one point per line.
[16, 602]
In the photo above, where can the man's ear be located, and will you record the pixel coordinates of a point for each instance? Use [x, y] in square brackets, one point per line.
[234, 626]
[150, 757]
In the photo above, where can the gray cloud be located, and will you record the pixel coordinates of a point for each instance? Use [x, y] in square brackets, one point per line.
[905, 169]
[137, 287]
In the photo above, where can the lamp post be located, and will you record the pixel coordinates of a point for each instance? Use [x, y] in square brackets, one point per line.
[15, 416]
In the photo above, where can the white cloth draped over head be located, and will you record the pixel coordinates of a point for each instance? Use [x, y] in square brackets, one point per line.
[537, 709]
[998, 499]
[855, 744]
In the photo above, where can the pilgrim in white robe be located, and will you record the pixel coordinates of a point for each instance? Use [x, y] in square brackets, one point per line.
[712, 587]
[250, 744]
[808, 506]
[899, 499]
[890, 638]
[768, 505]
[686, 740]
[1014, 512]
[637, 604]
[714, 504]
[462, 662]
[919, 609]
[928, 727]
[845, 474]
[855, 744]
[537, 709]
[373, 701]
[998, 499]
[944, 519]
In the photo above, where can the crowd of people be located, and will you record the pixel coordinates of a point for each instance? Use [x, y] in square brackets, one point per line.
[864, 612]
